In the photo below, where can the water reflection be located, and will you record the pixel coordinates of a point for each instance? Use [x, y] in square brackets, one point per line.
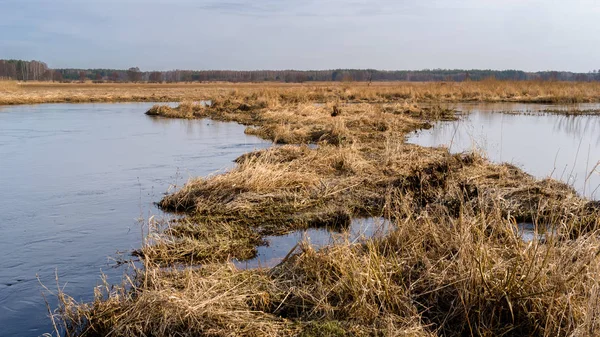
[279, 246]
[75, 179]
[530, 232]
[191, 129]
[579, 125]
[543, 144]
[521, 108]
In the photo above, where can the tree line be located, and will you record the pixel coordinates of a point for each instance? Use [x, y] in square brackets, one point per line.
[24, 70]
[38, 71]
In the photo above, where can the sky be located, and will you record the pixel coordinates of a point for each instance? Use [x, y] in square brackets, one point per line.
[530, 35]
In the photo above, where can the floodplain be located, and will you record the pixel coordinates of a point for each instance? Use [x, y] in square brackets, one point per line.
[450, 261]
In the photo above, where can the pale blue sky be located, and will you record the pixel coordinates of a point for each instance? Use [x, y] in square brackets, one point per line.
[530, 35]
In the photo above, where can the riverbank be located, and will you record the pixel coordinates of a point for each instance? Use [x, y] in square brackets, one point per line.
[454, 264]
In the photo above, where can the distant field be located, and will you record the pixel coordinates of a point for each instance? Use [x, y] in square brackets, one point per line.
[484, 91]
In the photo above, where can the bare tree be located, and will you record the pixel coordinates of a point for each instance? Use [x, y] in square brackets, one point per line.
[114, 76]
[134, 74]
[155, 77]
[57, 76]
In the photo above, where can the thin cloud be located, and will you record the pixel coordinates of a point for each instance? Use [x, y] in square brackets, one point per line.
[325, 8]
[304, 34]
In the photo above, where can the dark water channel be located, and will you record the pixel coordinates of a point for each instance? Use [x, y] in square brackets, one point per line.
[74, 182]
[564, 147]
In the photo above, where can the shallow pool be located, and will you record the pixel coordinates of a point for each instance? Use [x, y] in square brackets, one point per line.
[278, 247]
[543, 144]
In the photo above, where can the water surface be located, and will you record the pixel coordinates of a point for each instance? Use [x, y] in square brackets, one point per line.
[545, 145]
[280, 246]
[74, 181]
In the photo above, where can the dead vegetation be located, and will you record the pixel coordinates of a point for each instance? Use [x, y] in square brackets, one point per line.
[454, 265]
[7, 87]
[434, 275]
[284, 93]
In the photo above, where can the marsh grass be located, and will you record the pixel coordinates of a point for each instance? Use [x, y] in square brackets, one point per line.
[454, 264]
[281, 93]
[433, 275]
[168, 112]
[194, 241]
[7, 86]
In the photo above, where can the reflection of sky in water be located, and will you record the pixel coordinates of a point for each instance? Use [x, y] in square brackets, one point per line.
[562, 147]
[73, 180]
[529, 232]
[279, 246]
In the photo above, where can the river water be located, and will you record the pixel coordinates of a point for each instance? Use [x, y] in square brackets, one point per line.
[564, 147]
[74, 181]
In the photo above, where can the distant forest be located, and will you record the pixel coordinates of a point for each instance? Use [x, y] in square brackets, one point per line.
[39, 71]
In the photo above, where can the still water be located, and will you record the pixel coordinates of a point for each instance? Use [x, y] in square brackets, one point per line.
[279, 247]
[545, 145]
[74, 181]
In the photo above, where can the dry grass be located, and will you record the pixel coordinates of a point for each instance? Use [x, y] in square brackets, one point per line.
[281, 93]
[454, 265]
[200, 240]
[206, 301]
[434, 275]
[8, 87]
